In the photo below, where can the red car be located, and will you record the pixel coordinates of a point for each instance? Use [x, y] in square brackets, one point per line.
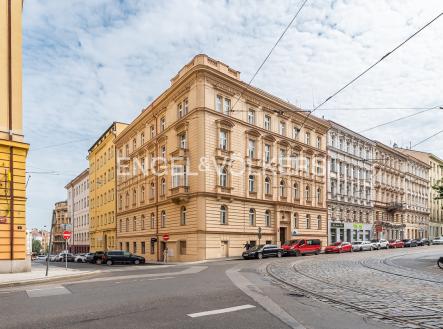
[339, 247]
[396, 244]
[302, 247]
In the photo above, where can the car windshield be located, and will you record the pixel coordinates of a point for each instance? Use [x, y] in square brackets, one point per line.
[337, 243]
[356, 242]
[374, 240]
[391, 240]
[257, 247]
[290, 243]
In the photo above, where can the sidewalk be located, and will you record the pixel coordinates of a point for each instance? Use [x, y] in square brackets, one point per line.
[37, 275]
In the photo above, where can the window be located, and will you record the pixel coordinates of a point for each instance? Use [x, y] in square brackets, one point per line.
[152, 190]
[333, 165]
[227, 106]
[318, 196]
[134, 197]
[282, 188]
[218, 103]
[267, 185]
[134, 224]
[267, 122]
[319, 168]
[282, 157]
[134, 144]
[308, 221]
[142, 138]
[143, 222]
[223, 140]
[121, 225]
[223, 215]
[185, 106]
[308, 165]
[251, 148]
[127, 199]
[296, 191]
[163, 186]
[180, 110]
[308, 138]
[268, 218]
[251, 117]
[176, 173]
[183, 141]
[251, 183]
[282, 128]
[295, 220]
[142, 160]
[295, 132]
[162, 124]
[127, 224]
[308, 193]
[163, 152]
[163, 219]
[152, 221]
[152, 129]
[120, 201]
[183, 215]
[318, 142]
[143, 248]
[224, 177]
[252, 217]
[134, 247]
[267, 153]
[182, 247]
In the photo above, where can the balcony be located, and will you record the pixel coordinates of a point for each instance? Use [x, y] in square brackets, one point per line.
[394, 206]
[180, 194]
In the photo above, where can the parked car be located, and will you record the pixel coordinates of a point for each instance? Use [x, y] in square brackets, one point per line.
[423, 242]
[53, 258]
[409, 243]
[438, 240]
[63, 256]
[121, 257]
[339, 247]
[362, 246]
[302, 247]
[95, 257]
[262, 251]
[384, 244]
[376, 244]
[42, 257]
[396, 244]
[80, 258]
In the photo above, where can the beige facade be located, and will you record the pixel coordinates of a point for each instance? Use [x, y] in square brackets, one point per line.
[78, 212]
[13, 150]
[236, 163]
[61, 220]
[102, 202]
[435, 177]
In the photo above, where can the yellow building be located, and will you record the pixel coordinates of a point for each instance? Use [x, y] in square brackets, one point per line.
[13, 150]
[233, 162]
[102, 201]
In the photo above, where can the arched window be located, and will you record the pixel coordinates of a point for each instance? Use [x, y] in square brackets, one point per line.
[295, 190]
[134, 224]
[319, 226]
[252, 217]
[268, 218]
[152, 220]
[308, 221]
[223, 215]
[142, 194]
[134, 197]
[163, 218]
[282, 188]
[224, 177]
[183, 215]
[127, 224]
[121, 225]
[143, 222]
[163, 186]
[318, 196]
[267, 185]
[295, 220]
[127, 199]
[152, 189]
[308, 193]
[120, 201]
[251, 183]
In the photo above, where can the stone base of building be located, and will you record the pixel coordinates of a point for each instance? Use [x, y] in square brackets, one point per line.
[15, 266]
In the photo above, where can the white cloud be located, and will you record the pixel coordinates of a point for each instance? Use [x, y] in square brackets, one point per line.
[88, 63]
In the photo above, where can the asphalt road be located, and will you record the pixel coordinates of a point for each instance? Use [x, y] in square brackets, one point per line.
[232, 294]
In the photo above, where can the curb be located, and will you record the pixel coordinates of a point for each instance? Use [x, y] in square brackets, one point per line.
[45, 280]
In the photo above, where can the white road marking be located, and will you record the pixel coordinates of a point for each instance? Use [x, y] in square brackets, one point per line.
[220, 311]
[164, 278]
[48, 291]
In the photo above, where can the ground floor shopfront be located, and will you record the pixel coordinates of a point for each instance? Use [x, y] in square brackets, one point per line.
[435, 230]
[346, 231]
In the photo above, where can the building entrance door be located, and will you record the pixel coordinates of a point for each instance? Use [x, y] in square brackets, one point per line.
[105, 243]
[162, 249]
[348, 235]
[224, 249]
[282, 235]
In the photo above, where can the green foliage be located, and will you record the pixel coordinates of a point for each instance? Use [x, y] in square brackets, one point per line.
[36, 246]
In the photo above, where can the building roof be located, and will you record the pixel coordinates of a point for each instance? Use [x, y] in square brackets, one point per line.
[78, 178]
[112, 127]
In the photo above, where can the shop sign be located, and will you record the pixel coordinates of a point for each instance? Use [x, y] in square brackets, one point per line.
[357, 226]
[337, 225]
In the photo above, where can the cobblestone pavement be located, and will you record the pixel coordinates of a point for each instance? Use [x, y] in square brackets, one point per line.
[370, 283]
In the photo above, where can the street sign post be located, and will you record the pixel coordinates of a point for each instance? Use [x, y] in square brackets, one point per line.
[165, 237]
[66, 236]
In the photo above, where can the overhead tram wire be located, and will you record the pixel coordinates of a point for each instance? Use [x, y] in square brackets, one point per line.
[426, 139]
[401, 118]
[269, 54]
[370, 68]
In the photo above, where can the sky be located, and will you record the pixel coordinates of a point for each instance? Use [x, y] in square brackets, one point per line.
[89, 63]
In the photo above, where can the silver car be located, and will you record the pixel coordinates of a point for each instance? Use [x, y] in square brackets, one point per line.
[362, 246]
[438, 240]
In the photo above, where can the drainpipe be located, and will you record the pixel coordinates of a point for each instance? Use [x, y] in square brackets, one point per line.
[156, 189]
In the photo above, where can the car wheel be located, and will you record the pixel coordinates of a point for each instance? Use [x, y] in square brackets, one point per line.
[317, 252]
[279, 254]
[245, 257]
[136, 262]
[109, 262]
[259, 255]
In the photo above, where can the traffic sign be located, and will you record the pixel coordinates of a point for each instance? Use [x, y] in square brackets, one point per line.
[66, 235]
[166, 237]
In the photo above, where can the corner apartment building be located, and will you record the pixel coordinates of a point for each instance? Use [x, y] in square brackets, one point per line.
[102, 184]
[233, 162]
[61, 219]
[78, 212]
[13, 149]
[435, 207]
[350, 205]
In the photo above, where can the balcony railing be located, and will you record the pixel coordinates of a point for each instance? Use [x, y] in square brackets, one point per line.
[394, 206]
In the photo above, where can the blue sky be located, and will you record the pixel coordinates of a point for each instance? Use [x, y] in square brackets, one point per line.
[88, 63]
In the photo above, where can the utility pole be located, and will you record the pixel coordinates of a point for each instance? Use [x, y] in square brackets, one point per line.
[50, 242]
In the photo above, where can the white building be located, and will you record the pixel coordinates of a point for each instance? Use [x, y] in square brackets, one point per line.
[349, 197]
[78, 212]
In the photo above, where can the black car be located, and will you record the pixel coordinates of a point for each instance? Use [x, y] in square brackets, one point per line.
[410, 243]
[423, 242]
[95, 257]
[263, 250]
[121, 257]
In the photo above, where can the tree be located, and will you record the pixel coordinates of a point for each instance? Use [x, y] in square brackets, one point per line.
[36, 246]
